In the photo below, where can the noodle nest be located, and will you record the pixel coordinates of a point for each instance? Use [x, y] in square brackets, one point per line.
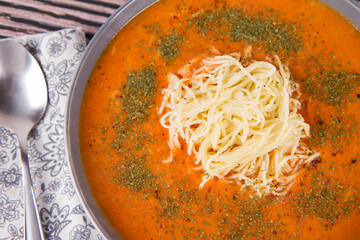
[239, 118]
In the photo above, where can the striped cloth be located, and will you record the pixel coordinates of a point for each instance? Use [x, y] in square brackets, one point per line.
[20, 17]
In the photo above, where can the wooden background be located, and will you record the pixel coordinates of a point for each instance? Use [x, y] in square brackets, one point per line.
[19, 17]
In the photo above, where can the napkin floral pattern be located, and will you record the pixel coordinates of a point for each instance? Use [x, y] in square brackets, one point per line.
[61, 212]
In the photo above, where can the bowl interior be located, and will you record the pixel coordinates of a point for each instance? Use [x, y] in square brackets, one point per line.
[348, 8]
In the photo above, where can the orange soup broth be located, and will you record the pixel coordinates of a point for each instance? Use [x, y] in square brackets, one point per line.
[141, 215]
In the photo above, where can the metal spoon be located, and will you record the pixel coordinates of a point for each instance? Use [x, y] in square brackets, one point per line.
[23, 99]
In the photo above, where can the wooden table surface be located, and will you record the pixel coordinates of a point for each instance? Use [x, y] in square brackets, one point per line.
[20, 17]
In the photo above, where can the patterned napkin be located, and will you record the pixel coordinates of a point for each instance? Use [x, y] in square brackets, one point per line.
[61, 213]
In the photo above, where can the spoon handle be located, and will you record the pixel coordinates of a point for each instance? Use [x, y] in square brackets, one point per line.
[33, 229]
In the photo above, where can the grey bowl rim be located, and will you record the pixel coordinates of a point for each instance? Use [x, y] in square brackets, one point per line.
[94, 49]
[125, 13]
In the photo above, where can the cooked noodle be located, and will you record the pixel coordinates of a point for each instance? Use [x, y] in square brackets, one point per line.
[240, 121]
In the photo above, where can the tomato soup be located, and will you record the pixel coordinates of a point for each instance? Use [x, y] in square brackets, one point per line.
[124, 148]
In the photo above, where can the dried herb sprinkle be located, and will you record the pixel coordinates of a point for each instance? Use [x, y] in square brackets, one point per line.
[332, 86]
[135, 174]
[239, 25]
[138, 93]
[169, 46]
[136, 98]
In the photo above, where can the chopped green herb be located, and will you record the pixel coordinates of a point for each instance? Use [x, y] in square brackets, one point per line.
[138, 93]
[239, 25]
[325, 201]
[169, 46]
[334, 86]
[322, 133]
[135, 174]
[136, 98]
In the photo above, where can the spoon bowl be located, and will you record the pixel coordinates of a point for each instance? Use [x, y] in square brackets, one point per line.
[23, 90]
[23, 100]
